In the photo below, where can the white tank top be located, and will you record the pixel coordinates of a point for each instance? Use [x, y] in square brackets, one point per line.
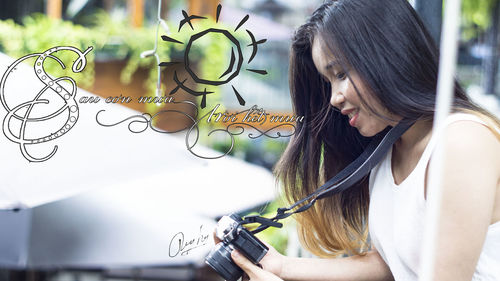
[396, 218]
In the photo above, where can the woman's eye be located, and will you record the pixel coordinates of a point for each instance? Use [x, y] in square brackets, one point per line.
[341, 75]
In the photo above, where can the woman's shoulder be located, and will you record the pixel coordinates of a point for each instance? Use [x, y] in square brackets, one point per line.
[467, 132]
[478, 119]
[461, 127]
[473, 138]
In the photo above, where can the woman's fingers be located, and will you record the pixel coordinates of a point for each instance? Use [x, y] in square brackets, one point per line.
[216, 239]
[247, 266]
[253, 272]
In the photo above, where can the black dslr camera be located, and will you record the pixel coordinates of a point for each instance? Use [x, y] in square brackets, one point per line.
[234, 236]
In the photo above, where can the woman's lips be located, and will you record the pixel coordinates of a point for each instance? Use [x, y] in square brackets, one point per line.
[353, 117]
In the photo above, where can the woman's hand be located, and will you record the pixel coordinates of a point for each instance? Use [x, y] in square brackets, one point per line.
[254, 272]
[272, 261]
[278, 267]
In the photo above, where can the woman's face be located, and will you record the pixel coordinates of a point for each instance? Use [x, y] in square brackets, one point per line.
[344, 96]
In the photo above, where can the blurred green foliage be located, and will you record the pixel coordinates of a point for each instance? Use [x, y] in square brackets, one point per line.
[476, 17]
[276, 237]
[112, 39]
[39, 33]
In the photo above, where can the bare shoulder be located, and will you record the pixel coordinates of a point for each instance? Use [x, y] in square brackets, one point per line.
[473, 140]
[472, 153]
[471, 146]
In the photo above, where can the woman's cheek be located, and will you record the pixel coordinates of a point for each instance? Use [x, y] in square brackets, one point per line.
[345, 86]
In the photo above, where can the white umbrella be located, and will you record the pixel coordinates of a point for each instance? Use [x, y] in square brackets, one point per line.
[107, 192]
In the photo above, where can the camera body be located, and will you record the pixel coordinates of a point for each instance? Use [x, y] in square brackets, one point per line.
[234, 236]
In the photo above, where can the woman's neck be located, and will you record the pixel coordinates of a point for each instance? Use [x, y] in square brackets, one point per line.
[418, 132]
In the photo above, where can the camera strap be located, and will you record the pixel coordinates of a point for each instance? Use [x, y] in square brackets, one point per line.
[355, 171]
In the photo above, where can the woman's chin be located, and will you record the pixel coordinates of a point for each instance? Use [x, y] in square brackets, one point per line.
[368, 133]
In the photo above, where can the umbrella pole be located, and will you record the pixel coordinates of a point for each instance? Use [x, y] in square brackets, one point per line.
[445, 90]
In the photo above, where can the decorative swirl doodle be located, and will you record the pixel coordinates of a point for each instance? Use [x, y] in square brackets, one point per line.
[146, 119]
[23, 111]
[192, 138]
[233, 133]
[262, 133]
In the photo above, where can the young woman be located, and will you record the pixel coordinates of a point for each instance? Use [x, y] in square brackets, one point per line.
[358, 66]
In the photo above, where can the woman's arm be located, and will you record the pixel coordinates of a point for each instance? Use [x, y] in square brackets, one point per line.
[275, 266]
[368, 267]
[470, 181]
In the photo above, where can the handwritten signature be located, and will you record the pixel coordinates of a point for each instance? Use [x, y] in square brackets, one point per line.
[180, 245]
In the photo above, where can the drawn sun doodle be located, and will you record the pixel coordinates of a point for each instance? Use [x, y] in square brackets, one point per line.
[235, 62]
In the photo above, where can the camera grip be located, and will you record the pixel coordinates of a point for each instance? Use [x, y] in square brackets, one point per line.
[250, 246]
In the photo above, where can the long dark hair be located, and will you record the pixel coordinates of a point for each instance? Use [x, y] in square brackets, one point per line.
[387, 45]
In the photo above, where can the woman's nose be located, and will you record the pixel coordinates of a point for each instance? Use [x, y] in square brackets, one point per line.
[337, 99]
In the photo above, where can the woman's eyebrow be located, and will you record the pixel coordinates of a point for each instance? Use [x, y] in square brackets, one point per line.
[331, 64]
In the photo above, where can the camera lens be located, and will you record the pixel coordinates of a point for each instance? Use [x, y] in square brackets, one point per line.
[220, 260]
